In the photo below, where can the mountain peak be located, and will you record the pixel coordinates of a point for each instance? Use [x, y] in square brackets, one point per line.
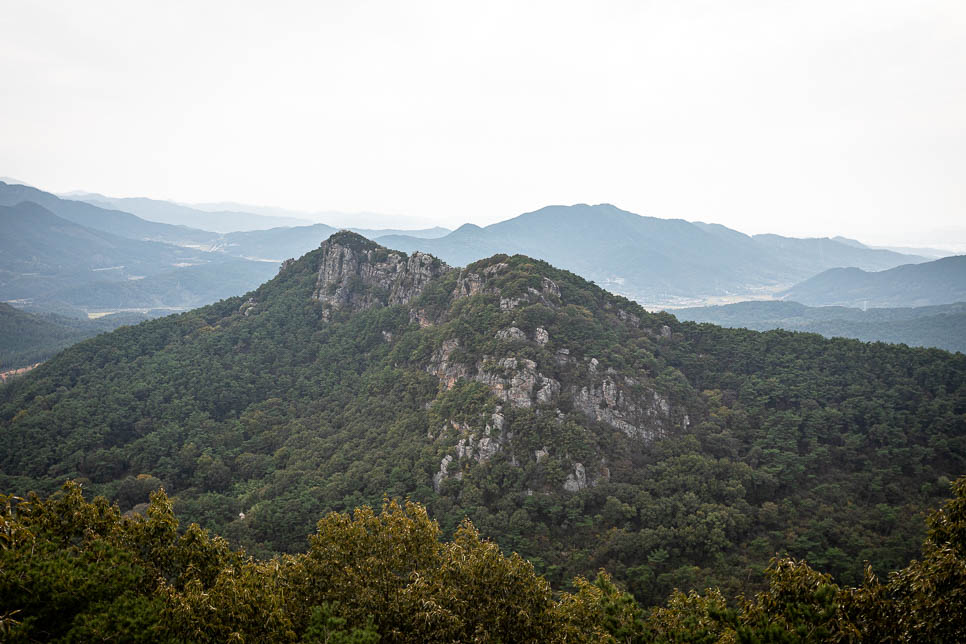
[355, 274]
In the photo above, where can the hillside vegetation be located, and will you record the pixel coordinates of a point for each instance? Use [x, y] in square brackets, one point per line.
[568, 424]
[72, 570]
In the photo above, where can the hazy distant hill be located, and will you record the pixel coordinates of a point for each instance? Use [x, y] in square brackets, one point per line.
[652, 260]
[50, 262]
[41, 251]
[223, 221]
[178, 289]
[943, 327]
[71, 255]
[942, 281]
[112, 221]
[931, 253]
[284, 243]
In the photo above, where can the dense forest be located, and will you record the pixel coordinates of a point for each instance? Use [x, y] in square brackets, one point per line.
[568, 424]
[73, 570]
[28, 338]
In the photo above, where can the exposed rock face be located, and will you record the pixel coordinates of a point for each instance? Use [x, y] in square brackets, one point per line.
[619, 401]
[447, 370]
[541, 336]
[443, 472]
[471, 283]
[247, 307]
[548, 294]
[576, 480]
[607, 399]
[473, 445]
[356, 275]
[512, 333]
[517, 381]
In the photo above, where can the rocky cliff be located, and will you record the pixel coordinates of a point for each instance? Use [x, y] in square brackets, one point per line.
[479, 321]
[356, 274]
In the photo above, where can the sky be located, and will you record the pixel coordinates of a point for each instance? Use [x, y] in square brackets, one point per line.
[800, 118]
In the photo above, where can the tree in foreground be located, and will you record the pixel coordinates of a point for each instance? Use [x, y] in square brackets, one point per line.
[73, 570]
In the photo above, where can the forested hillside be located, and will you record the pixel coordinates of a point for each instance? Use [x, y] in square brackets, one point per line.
[568, 424]
[28, 338]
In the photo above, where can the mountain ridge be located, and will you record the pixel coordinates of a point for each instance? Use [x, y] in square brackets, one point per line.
[941, 326]
[941, 281]
[568, 423]
[653, 260]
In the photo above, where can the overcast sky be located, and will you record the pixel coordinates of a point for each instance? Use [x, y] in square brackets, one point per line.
[803, 118]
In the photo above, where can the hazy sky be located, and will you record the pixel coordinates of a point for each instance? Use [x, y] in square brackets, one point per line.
[804, 118]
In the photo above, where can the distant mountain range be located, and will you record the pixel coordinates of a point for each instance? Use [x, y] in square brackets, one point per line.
[284, 243]
[943, 327]
[229, 216]
[115, 222]
[658, 262]
[66, 255]
[942, 281]
[219, 221]
[655, 261]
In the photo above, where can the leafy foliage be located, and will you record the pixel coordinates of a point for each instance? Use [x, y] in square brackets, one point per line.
[72, 570]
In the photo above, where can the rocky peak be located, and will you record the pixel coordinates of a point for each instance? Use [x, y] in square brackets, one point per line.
[356, 274]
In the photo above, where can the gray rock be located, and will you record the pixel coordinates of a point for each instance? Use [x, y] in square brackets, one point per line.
[442, 474]
[541, 336]
[359, 279]
[512, 333]
[576, 480]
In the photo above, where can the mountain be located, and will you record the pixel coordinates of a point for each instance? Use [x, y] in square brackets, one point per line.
[655, 261]
[50, 263]
[569, 424]
[334, 218]
[943, 327]
[28, 338]
[931, 253]
[41, 252]
[942, 281]
[112, 221]
[219, 221]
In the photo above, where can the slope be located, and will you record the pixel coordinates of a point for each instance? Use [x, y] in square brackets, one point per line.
[28, 338]
[567, 423]
[168, 212]
[112, 221]
[41, 251]
[50, 262]
[943, 327]
[942, 281]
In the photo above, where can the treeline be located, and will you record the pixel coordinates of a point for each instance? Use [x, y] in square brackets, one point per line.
[73, 570]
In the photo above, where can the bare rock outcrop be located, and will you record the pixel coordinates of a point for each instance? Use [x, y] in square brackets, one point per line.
[473, 445]
[356, 274]
[619, 402]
